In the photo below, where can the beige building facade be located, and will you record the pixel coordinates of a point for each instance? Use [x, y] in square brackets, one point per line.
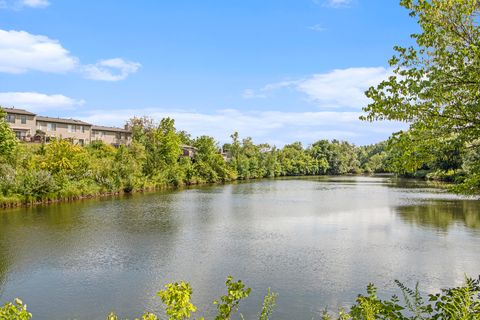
[22, 123]
[56, 128]
[111, 135]
[30, 127]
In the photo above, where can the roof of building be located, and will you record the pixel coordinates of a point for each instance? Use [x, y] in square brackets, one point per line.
[18, 111]
[61, 120]
[111, 129]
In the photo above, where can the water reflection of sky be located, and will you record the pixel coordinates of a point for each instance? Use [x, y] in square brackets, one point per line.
[317, 241]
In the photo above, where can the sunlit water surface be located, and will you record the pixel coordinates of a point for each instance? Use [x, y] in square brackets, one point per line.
[316, 241]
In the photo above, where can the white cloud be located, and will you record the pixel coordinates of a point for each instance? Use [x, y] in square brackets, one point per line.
[317, 28]
[111, 69]
[337, 3]
[35, 101]
[341, 88]
[35, 3]
[251, 94]
[20, 4]
[275, 127]
[21, 52]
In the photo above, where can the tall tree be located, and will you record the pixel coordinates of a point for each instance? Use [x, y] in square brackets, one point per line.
[435, 83]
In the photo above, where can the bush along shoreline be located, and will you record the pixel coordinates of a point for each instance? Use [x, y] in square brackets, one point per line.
[63, 171]
[457, 303]
[33, 173]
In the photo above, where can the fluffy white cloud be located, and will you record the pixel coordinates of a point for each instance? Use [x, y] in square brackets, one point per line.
[35, 3]
[341, 88]
[35, 101]
[21, 52]
[111, 69]
[275, 127]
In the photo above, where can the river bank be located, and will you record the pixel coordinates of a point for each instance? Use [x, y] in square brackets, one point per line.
[19, 202]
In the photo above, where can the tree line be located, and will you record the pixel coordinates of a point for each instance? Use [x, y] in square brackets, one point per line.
[63, 170]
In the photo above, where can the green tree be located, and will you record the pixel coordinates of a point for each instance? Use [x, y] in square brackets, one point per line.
[434, 85]
[141, 127]
[209, 163]
[240, 161]
[128, 166]
[340, 156]
[296, 161]
[8, 141]
[163, 148]
[63, 157]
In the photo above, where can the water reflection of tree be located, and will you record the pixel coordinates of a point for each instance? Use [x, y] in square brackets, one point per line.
[442, 214]
[25, 222]
[5, 263]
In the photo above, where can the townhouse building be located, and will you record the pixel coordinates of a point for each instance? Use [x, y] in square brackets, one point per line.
[22, 122]
[30, 127]
[111, 135]
[58, 128]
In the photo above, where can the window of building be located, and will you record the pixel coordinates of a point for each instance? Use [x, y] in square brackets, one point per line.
[23, 119]
[52, 127]
[71, 128]
[11, 118]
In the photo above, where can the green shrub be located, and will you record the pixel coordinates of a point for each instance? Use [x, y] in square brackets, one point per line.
[7, 179]
[443, 175]
[36, 184]
[459, 303]
[15, 311]
[176, 296]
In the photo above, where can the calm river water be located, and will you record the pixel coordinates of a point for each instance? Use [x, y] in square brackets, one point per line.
[316, 241]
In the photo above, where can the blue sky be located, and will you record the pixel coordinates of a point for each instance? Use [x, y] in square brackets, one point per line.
[277, 70]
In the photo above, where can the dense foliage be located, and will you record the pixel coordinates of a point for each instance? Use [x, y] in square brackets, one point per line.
[459, 303]
[8, 141]
[62, 170]
[435, 87]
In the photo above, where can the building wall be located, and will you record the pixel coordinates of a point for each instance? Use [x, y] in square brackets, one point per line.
[28, 126]
[78, 133]
[111, 137]
[65, 131]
